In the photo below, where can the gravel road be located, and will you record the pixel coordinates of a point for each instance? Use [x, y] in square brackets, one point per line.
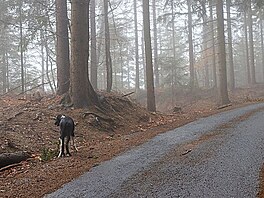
[217, 156]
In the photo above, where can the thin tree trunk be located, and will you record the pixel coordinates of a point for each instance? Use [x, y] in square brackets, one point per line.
[174, 67]
[107, 49]
[143, 60]
[151, 105]
[223, 93]
[4, 72]
[213, 43]
[21, 49]
[205, 54]
[262, 45]
[7, 72]
[251, 44]
[173, 37]
[190, 40]
[122, 69]
[47, 65]
[42, 61]
[247, 51]
[128, 68]
[155, 39]
[93, 47]
[230, 47]
[136, 45]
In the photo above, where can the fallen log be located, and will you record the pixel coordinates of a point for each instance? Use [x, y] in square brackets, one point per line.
[13, 158]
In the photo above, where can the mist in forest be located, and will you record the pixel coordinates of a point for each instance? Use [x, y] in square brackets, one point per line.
[159, 51]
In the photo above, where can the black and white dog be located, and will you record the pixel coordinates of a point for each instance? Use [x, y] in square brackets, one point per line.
[66, 125]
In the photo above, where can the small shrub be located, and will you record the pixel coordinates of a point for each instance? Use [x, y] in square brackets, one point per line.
[47, 154]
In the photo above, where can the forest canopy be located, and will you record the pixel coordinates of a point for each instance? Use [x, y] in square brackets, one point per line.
[56, 46]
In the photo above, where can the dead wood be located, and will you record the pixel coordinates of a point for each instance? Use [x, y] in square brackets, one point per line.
[9, 166]
[128, 94]
[224, 106]
[98, 116]
[16, 114]
[186, 152]
[12, 158]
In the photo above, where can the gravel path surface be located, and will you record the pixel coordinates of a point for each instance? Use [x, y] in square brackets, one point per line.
[218, 156]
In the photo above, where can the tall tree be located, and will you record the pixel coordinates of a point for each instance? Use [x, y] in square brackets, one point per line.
[42, 60]
[205, 51]
[262, 45]
[213, 42]
[173, 68]
[108, 59]
[251, 43]
[230, 46]
[82, 94]
[21, 47]
[223, 93]
[93, 46]
[155, 39]
[136, 45]
[3, 51]
[62, 47]
[190, 41]
[151, 104]
[246, 48]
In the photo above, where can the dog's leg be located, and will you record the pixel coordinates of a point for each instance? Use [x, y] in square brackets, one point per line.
[67, 145]
[61, 148]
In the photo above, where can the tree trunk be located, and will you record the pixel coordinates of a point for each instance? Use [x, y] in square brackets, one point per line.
[204, 53]
[62, 47]
[42, 60]
[47, 62]
[7, 72]
[93, 47]
[83, 94]
[213, 43]
[4, 72]
[151, 106]
[21, 49]
[190, 40]
[223, 93]
[143, 60]
[251, 44]
[136, 45]
[107, 49]
[247, 51]
[155, 39]
[127, 64]
[99, 46]
[174, 66]
[230, 47]
[262, 45]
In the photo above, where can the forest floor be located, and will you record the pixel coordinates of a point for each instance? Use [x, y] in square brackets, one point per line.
[27, 124]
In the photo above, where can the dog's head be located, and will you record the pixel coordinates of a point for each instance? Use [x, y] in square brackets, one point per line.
[58, 119]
